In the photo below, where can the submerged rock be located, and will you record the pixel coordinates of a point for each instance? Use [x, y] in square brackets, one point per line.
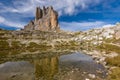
[91, 76]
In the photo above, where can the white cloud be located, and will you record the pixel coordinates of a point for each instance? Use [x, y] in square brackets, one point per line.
[62, 6]
[3, 21]
[77, 26]
[1, 4]
[108, 25]
[26, 8]
[19, 9]
[14, 24]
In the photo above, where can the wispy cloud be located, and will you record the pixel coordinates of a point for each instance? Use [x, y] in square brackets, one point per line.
[1, 19]
[77, 26]
[5, 22]
[20, 9]
[108, 25]
[14, 13]
[62, 6]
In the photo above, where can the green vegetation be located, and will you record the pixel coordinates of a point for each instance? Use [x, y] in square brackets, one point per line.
[73, 43]
[115, 61]
[109, 47]
[116, 41]
[16, 44]
[34, 46]
[77, 33]
[4, 45]
[6, 48]
[115, 74]
[112, 40]
[15, 47]
[67, 45]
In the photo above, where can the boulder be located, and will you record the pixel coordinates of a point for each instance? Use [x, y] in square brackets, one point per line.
[117, 35]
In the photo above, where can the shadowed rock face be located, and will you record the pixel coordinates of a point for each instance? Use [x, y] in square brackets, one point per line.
[46, 19]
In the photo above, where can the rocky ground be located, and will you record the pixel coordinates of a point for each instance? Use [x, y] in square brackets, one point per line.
[102, 44]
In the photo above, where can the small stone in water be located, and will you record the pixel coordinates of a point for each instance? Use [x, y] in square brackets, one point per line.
[72, 71]
[87, 79]
[91, 75]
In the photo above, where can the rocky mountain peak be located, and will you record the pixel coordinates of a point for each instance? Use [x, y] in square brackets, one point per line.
[46, 19]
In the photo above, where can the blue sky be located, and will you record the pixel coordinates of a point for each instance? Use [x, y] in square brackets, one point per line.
[74, 15]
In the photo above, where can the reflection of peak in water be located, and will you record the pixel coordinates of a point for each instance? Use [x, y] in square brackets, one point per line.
[50, 68]
[46, 68]
[20, 70]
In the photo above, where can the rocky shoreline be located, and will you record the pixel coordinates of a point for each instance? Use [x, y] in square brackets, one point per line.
[100, 58]
[42, 55]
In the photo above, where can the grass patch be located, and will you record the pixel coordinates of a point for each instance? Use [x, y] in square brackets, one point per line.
[4, 45]
[16, 44]
[109, 47]
[34, 46]
[115, 61]
[115, 74]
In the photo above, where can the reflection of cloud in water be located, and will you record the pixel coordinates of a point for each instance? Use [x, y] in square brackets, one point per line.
[15, 66]
[48, 68]
[82, 62]
[16, 70]
[75, 57]
[2, 65]
[44, 68]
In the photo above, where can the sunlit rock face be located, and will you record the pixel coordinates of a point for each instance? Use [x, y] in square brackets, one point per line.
[117, 34]
[46, 19]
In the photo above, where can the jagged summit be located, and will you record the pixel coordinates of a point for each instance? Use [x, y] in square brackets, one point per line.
[46, 19]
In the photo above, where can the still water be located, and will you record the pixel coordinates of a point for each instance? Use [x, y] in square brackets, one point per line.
[74, 66]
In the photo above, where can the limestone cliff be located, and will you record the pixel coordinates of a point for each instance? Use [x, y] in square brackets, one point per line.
[46, 19]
